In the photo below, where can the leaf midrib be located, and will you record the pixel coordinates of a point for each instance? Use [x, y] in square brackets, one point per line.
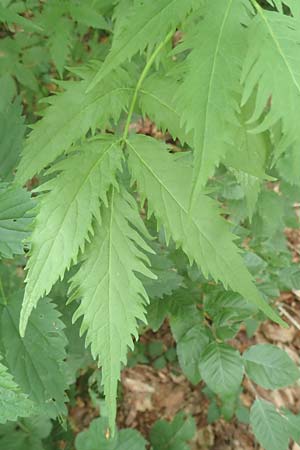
[278, 46]
[185, 210]
[209, 94]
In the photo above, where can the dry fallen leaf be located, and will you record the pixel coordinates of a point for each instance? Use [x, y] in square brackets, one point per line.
[276, 333]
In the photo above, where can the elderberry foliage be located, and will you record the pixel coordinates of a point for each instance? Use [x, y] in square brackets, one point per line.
[118, 229]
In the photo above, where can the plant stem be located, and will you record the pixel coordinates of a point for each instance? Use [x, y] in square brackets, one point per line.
[140, 82]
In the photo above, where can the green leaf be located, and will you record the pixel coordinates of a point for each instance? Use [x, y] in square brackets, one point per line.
[251, 187]
[13, 403]
[192, 338]
[12, 131]
[221, 368]
[243, 414]
[168, 279]
[16, 213]
[165, 180]
[37, 360]
[269, 205]
[269, 426]
[64, 220]
[173, 436]
[157, 311]
[270, 367]
[9, 91]
[249, 154]
[290, 277]
[229, 403]
[156, 98]
[274, 38]
[205, 99]
[213, 413]
[177, 304]
[87, 15]
[59, 43]
[112, 297]
[145, 23]
[95, 438]
[78, 357]
[293, 424]
[9, 16]
[295, 7]
[189, 350]
[70, 116]
[226, 308]
[27, 434]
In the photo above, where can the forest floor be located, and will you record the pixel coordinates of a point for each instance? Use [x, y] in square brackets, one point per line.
[150, 394]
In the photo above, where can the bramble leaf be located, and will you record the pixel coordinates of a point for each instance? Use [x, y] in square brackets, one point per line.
[221, 368]
[269, 426]
[270, 367]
